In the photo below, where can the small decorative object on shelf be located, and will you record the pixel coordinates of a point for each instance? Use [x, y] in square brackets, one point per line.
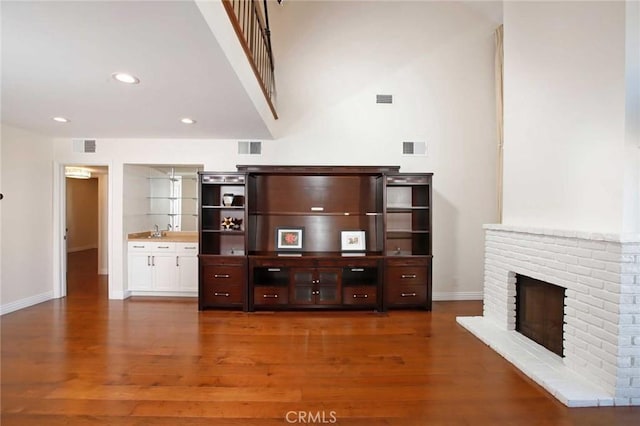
[289, 239]
[353, 240]
[231, 223]
[227, 199]
[238, 200]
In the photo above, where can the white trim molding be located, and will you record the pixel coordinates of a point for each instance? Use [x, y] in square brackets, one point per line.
[441, 296]
[26, 302]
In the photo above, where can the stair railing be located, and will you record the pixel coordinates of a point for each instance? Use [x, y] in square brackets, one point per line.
[253, 32]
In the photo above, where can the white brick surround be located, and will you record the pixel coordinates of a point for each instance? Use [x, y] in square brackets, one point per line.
[601, 273]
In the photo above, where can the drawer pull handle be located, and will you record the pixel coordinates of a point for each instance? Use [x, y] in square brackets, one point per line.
[360, 296]
[408, 276]
[408, 294]
[221, 276]
[270, 296]
[137, 246]
[163, 246]
[273, 269]
[357, 269]
[221, 294]
[190, 248]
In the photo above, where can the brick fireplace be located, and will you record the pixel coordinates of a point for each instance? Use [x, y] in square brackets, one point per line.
[601, 275]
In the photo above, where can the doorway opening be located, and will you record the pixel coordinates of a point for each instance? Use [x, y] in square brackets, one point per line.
[85, 236]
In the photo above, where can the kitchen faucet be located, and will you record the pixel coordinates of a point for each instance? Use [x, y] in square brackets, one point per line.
[156, 233]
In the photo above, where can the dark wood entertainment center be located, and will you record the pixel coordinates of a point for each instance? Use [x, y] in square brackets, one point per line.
[315, 237]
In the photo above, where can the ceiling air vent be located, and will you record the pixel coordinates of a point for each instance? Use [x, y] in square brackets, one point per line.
[414, 148]
[384, 99]
[250, 148]
[84, 145]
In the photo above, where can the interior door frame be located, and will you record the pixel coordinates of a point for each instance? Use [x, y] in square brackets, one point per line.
[59, 220]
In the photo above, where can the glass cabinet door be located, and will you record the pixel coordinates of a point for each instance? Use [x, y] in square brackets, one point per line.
[303, 290]
[328, 286]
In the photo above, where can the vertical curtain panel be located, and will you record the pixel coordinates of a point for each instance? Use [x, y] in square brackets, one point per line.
[499, 72]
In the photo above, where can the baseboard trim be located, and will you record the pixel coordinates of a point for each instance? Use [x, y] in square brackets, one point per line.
[457, 295]
[164, 293]
[26, 302]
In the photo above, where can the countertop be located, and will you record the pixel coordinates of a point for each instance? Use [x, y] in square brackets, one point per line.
[172, 236]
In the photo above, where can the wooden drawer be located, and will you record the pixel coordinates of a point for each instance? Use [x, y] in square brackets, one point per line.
[209, 260]
[159, 247]
[406, 276]
[137, 246]
[270, 295]
[222, 294]
[282, 262]
[406, 295]
[187, 249]
[347, 263]
[359, 295]
[223, 275]
[408, 261]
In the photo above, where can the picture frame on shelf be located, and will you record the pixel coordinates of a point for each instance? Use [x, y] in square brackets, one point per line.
[289, 238]
[353, 240]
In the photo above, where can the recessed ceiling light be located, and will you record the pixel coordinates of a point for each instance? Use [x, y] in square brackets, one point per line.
[187, 120]
[61, 119]
[123, 77]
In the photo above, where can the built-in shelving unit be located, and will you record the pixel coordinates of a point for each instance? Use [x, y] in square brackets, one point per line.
[253, 266]
[408, 241]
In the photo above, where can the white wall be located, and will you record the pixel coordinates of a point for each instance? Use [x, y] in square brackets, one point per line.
[564, 95]
[27, 225]
[631, 219]
[436, 59]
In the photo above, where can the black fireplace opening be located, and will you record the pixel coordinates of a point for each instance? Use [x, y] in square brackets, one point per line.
[540, 312]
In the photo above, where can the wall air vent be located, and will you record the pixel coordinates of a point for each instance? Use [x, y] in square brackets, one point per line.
[250, 148]
[414, 148]
[84, 145]
[384, 99]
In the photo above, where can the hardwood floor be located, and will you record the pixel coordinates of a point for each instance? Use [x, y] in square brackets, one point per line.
[85, 360]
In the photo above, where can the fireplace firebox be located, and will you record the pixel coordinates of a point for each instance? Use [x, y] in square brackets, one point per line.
[540, 312]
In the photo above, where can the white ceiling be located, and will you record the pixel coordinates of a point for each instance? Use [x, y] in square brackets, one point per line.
[58, 57]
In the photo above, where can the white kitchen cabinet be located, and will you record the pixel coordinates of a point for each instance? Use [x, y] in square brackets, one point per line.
[187, 261]
[140, 270]
[158, 268]
[165, 271]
